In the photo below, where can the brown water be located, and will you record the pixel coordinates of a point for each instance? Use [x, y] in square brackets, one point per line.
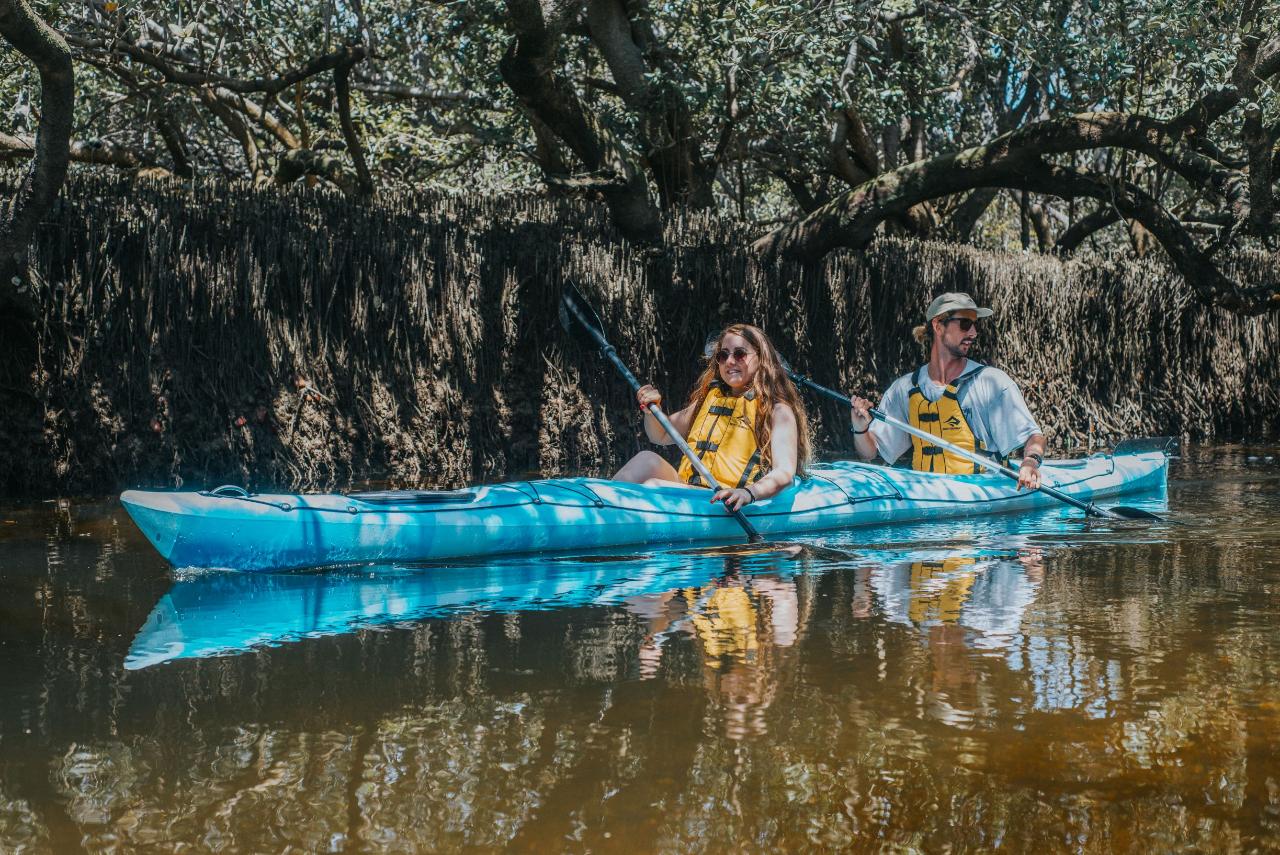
[1023, 683]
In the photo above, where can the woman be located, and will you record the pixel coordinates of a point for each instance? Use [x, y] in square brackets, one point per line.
[744, 420]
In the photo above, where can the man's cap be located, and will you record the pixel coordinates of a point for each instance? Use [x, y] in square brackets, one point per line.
[954, 301]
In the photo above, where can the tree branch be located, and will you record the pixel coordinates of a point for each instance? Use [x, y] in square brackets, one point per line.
[269, 85]
[846, 219]
[1082, 228]
[99, 152]
[231, 120]
[300, 162]
[403, 92]
[1014, 161]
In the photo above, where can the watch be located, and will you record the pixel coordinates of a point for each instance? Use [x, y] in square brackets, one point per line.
[1038, 458]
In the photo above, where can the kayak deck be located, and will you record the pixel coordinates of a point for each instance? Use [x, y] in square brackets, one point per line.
[229, 528]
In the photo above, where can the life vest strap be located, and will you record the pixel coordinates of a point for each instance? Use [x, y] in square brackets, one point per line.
[752, 465]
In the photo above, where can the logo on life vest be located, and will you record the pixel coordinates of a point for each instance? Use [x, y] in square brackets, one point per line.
[741, 421]
[953, 422]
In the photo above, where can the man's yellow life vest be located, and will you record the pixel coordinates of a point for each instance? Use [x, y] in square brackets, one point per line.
[944, 419]
[724, 438]
[940, 588]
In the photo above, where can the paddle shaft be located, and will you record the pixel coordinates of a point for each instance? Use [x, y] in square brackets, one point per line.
[1088, 507]
[612, 355]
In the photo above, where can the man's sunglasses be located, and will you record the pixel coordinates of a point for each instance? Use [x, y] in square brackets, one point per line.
[965, 324]
[738, 353]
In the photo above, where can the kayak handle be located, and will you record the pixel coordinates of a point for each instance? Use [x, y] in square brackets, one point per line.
[228, 491]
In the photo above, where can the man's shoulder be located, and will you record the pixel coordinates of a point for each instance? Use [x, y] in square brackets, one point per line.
[902, 384]
[992, 376]
[909, 378]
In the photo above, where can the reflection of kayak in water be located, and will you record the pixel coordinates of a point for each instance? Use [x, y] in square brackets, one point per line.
[211, 614]
[232, 529]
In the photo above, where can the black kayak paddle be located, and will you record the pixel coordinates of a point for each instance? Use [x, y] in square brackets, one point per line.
[1090, 509]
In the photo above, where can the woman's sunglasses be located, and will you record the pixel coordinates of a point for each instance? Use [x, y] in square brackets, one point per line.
[738, 353]
[965, 324]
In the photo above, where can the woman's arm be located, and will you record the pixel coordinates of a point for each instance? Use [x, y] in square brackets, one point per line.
[681, 421]
[784, 445]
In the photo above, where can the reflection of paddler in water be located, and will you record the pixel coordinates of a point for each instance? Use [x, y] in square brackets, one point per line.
[742, 625]
[986, 595]
[961, 604]
[940, 588]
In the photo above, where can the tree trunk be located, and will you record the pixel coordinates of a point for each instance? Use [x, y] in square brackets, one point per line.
[41, 44]
[671, 146]
[966, 215]
[342, 87]
[529, 70]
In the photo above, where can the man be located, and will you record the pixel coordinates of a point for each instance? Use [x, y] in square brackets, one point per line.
[966, 403]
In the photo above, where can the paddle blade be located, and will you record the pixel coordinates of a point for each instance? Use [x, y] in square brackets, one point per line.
[1135, 514]
[576, 312]
[784, 549]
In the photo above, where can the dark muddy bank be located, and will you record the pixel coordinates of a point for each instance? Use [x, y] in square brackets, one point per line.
[202, 335]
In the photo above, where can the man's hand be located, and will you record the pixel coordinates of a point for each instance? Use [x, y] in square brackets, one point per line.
[1029, 474]
[860, 413]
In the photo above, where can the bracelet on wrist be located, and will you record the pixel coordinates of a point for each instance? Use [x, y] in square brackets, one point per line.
[750, 493]
[853, 430]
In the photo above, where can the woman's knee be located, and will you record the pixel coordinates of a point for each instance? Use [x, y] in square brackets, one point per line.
[650, 459]
[641, 467]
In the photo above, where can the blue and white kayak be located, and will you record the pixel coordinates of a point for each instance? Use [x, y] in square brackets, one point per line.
[232, 529]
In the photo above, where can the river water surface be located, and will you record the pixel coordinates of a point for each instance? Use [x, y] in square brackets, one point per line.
[1020, 682]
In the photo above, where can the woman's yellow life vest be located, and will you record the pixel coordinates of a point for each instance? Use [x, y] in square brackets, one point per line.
[724, 438]
[944, 419]
[725, 620]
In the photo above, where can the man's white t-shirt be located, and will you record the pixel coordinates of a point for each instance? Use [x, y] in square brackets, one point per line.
[991, 403]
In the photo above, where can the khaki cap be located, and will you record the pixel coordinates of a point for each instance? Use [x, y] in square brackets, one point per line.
[954, 301]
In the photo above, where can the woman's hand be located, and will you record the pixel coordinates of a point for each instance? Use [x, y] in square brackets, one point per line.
[860, 413]
[734, 499]
[647, 395]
